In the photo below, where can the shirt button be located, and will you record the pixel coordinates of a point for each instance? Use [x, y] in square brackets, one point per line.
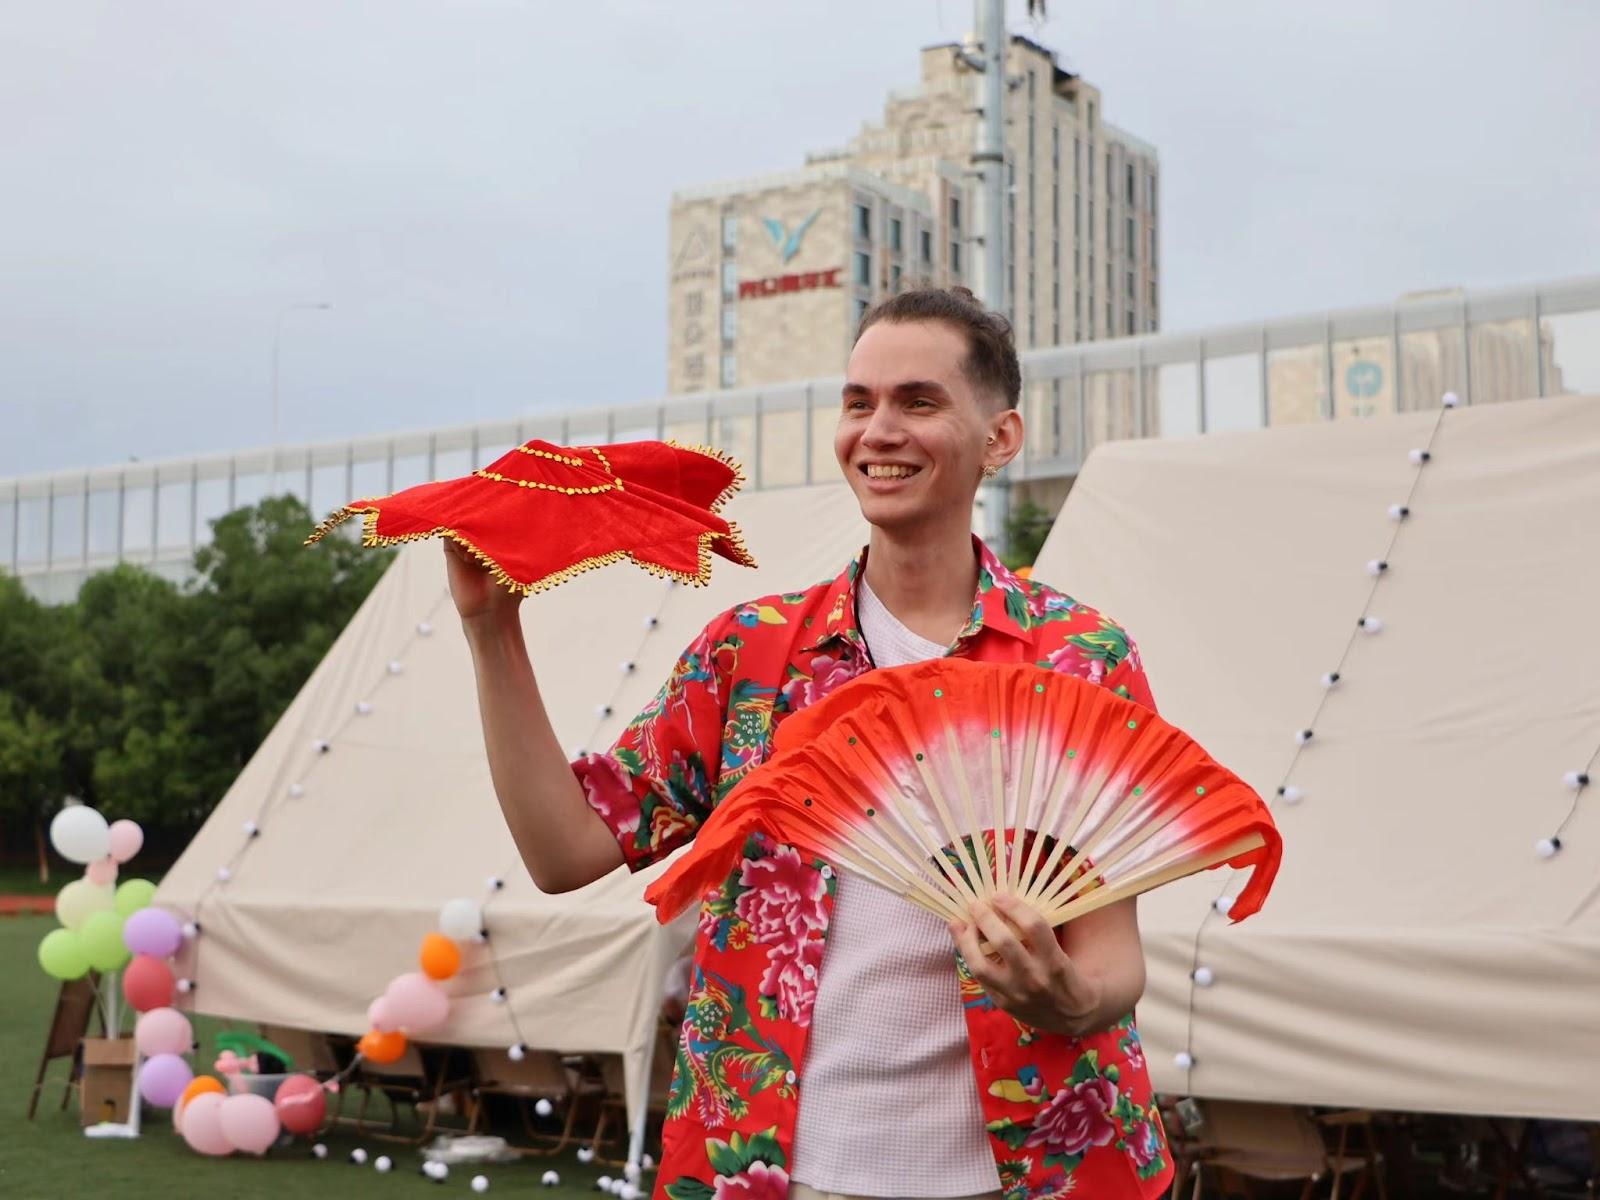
[788, 1077]
[827, 871]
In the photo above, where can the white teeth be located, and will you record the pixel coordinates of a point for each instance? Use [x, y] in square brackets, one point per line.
[879, 471]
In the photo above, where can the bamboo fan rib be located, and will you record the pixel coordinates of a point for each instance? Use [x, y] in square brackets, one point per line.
[949, 781]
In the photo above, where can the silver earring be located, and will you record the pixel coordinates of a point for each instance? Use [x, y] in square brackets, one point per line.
[991, 471]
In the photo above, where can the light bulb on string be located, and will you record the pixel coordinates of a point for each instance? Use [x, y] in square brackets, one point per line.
[1376, 566]
[1291, 794]
[1547, 847]
[1370, 625]
[1576, 780]
[424, 628]
[1418, 457]
[396, 666]
[1331, 679]
[1450, 400]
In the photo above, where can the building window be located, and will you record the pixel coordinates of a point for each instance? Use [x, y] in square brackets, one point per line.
[1130, 323]
[1055, 145]
[1109, 326]
[1077, 214]
[864, 222]
[863, 269]
[861, 311]
[1111, 187]
[694, 304]
[894, 277]
[1077, 161]
[955, 212]
[1055, 296]
[1152, 293]
[1055, 252]
[730, 324]
[1152, 243]
[927, 247]
[1131, 292]
[730, 233]
[894, 234]
[1108, 279]
[955, 257]
[730, 280]
[1152, 193]
[694, 365]
[730, 371]
[1091, 114]
[1091, 168]
[1130, 183]
[1132, 242]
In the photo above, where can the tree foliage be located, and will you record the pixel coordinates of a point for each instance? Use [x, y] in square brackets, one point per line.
[145, 698]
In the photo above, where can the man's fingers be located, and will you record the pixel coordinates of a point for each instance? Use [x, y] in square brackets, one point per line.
[1002, 938]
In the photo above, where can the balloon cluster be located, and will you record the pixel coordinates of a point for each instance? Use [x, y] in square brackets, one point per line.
[215, 1123]
[92, 910]
[414, 1002]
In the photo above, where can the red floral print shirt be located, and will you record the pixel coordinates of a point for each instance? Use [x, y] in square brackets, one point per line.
[1064, 1115]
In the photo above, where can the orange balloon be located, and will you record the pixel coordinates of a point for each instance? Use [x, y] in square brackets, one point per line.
[440, 957]
[382, 1047]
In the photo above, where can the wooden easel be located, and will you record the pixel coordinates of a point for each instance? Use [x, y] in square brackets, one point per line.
[75, 1007]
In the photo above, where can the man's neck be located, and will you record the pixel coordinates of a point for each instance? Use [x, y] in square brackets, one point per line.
[926, 580]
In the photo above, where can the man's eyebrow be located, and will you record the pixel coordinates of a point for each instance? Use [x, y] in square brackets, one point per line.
[910, 387]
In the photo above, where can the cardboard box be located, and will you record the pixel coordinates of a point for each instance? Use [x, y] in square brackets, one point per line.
[107, 1080]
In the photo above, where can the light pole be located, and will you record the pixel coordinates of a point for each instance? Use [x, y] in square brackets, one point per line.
[277, 344]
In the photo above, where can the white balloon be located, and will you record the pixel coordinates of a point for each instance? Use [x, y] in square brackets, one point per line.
[80, 834]
[460, 919]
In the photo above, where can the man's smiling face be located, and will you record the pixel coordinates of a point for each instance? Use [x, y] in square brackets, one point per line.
[912, 428]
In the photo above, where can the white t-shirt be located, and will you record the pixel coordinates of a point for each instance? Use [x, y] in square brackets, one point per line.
[888, 1101]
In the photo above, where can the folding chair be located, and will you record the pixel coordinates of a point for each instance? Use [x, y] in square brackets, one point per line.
[1244, 1142]
[541, 1075]
[420, 1078]
[69, 1025]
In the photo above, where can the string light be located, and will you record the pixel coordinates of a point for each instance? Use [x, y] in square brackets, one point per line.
[224, 874]
[1576, 780]
[396, 666]
[424, 628]
[364, 707]
[321, 745]
[191, 929]
[1291, 794]
[296, 790]
[251, 829]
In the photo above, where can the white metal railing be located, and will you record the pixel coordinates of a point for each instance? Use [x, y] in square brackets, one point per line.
[1354, 363]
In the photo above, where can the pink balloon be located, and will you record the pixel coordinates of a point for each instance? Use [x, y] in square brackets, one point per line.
[202, 1125]
[416, 1003]
[102, 871]
[380, 1017]
[249, 1122]
[162, 1079]
[301, 1104]
[163, 1031]
[126, 840]
[153, 931]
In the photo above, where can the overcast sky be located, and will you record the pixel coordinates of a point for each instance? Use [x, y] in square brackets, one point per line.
[480, 187]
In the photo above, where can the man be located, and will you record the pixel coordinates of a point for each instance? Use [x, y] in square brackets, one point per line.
[903, 1062]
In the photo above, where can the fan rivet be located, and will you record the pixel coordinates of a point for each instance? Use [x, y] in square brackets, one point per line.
[938, 692]
[1199, 791]
[1038, 687]
[1133, 724]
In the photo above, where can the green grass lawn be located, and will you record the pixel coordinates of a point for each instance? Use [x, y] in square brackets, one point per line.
[50, 1157]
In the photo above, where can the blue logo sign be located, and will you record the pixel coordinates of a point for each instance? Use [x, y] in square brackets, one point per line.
[788, 243]
[1364, 379]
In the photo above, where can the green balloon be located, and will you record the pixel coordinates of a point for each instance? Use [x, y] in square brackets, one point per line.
[101, 937]
[134, 894]
[63, 956]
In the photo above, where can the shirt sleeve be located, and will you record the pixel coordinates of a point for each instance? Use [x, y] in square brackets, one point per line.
[1128, 679]
[655, 786]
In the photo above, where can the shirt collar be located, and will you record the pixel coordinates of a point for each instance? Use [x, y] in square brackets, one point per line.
[1000, 599]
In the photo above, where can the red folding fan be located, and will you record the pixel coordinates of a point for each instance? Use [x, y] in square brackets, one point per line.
[542, 513]
[949, 781]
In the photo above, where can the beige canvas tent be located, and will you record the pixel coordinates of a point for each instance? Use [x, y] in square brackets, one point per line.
[1417, 953]
[360, 845]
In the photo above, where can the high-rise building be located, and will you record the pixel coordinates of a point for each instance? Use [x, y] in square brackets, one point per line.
[769, 276]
